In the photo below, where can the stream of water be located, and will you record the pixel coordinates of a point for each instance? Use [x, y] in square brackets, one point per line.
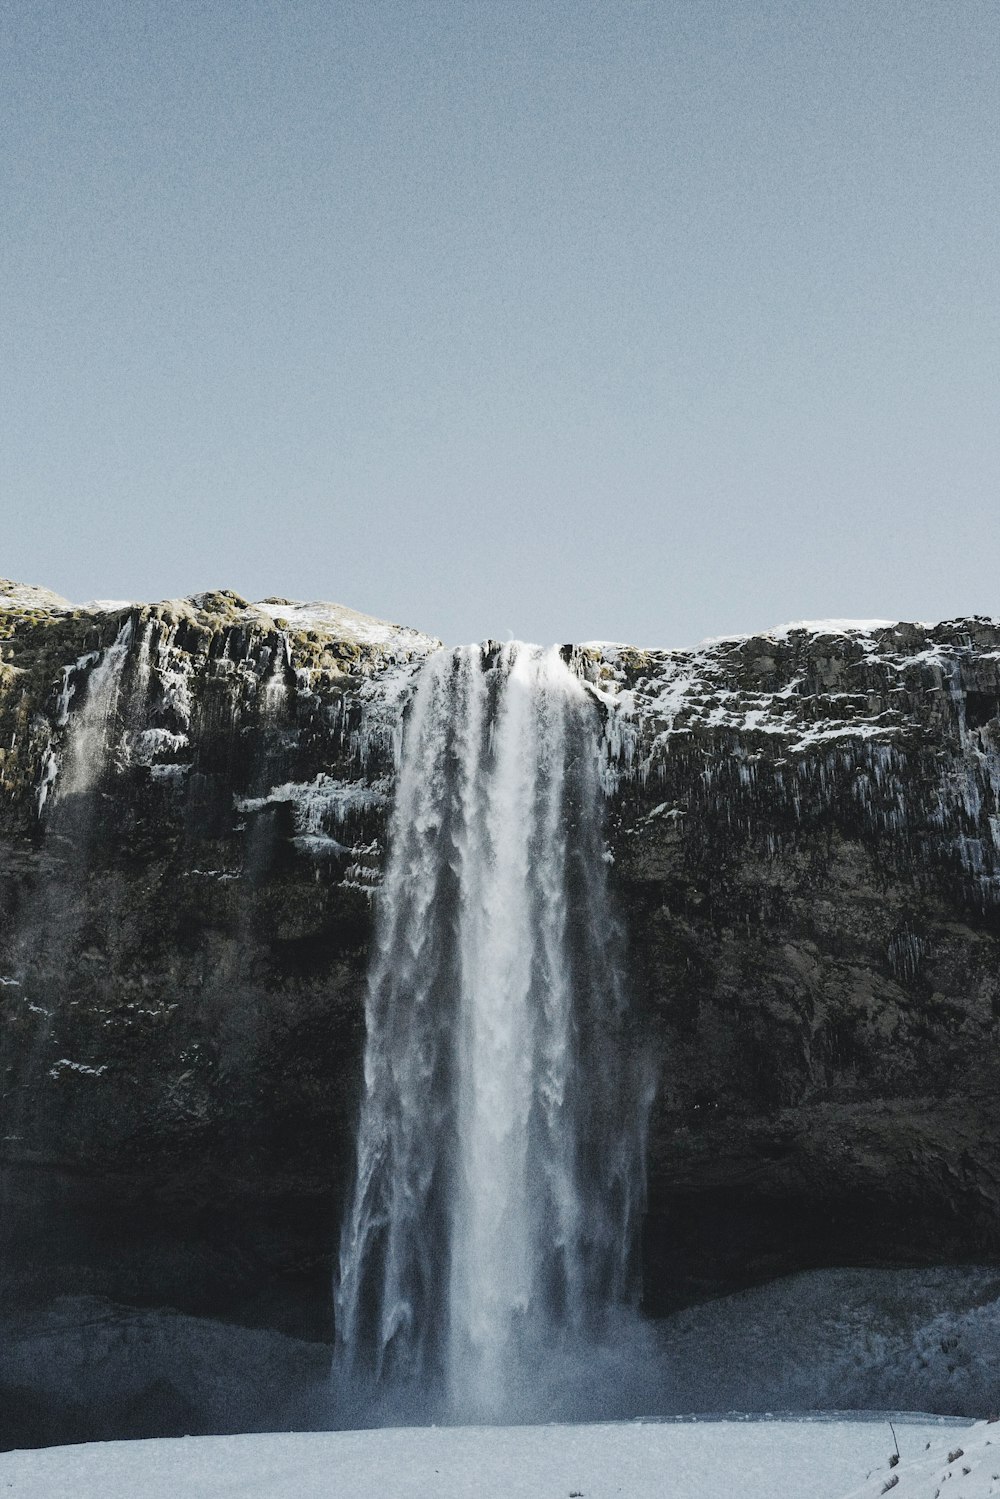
[501, 1140]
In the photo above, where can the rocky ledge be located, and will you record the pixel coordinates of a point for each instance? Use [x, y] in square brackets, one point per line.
[805, 829]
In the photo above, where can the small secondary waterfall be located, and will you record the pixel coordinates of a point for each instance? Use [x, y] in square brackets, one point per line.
[501, 1141]
[90, 725]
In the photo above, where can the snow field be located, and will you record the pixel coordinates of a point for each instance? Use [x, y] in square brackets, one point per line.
[779, 1459]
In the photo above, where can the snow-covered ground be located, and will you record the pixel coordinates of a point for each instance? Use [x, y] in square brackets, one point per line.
[958, 1465]
[781, 1459]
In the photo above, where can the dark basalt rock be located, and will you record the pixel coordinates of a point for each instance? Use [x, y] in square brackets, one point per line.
[810, 879]
[183, 949]
[805, 829]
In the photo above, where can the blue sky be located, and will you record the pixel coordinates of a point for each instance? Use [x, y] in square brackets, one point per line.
[637, 320]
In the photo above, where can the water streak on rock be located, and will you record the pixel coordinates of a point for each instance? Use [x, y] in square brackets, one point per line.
[88, 726]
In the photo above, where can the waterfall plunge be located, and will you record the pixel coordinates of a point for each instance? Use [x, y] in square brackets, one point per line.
[500, 1148]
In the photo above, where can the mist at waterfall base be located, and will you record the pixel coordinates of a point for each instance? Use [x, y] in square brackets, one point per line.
[825, 1340]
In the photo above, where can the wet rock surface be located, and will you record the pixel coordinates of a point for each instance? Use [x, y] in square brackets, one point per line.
[805, 829]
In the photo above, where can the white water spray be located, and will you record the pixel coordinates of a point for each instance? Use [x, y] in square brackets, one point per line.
[501, 1142]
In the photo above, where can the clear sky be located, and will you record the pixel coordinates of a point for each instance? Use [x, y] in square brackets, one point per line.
[638, 319]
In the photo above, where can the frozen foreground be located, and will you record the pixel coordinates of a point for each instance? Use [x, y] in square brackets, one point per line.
[780, 1459]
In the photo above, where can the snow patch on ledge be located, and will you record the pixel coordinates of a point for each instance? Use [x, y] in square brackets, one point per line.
[840, 696]
[80, 1068]
[686, 692]
[28, 596]
[810, 627]
[344, 623]
[833, 626]
[610, 648]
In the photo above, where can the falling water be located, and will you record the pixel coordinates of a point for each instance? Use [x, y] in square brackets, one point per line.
[274, 689]
[500, 1147]
[89, 726]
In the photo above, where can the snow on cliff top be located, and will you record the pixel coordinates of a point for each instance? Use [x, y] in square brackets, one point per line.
[27, 596]
[777, 632]
[339, 620]
[784, 1459]
[333, 619]
[345, 623]
[810, 627]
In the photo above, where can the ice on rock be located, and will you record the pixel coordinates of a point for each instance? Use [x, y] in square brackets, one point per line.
[145, 746]
[81, 1069]
[716, 701]
[318, 803]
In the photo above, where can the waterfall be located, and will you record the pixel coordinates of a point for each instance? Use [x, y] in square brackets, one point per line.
[274, 688]
[501, 1140]
[88, 728]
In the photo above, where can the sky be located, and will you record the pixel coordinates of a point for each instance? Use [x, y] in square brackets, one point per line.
[569, 319]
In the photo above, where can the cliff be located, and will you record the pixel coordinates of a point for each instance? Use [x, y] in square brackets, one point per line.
[805, 835]
[808, 854]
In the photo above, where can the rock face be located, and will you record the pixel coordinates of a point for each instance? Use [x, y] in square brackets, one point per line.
[808, 855]
[192, 798]
[805, 828]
